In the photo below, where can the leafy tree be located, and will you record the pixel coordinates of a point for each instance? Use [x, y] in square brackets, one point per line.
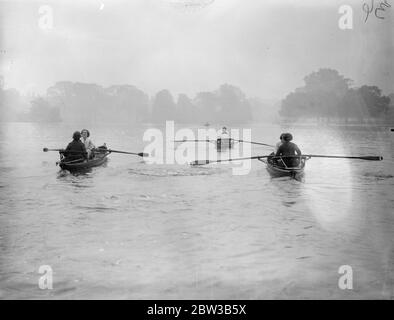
[89, 103]
[186, 111]
[208, 104]
[326, 93]
[130, 104]
[296, 104]
[375, 103]
[163, 107]
[321, 96]
[234, 107]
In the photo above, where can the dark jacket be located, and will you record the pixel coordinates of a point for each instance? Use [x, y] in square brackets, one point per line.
[75, 150]
[289, 149]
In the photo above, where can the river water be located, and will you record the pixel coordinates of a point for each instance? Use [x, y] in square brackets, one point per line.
[133, 230]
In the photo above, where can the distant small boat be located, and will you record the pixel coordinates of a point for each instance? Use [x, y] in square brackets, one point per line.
[224, 143]
[206, 124]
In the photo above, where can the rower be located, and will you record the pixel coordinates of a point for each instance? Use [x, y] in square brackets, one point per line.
[224, 139]
[288, 148]
[75, 149]
[87, 142]
[224, 134]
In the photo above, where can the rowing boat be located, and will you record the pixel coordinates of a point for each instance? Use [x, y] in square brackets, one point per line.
[276, 167]
[76, 165]
[224, 143]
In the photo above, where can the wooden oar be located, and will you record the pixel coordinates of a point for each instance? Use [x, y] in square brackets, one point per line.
[140, 154]
[371, 158]
[244, 141]
[207, 140]
[252, 142]
[63, 151]
[46, 149]
[203, 162]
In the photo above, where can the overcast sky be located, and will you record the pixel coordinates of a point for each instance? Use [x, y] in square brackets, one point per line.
[265, 47]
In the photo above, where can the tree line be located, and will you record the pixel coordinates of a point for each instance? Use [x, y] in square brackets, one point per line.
[329, 95]
[325, 94]
[83, 102]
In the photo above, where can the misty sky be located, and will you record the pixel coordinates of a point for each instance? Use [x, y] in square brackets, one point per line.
[264, 47]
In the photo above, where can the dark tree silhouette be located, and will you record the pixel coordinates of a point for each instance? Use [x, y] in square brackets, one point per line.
[129, 103]
[234, 107]
[186, 111]
[163, 107]
[375, 103]
[326, 94]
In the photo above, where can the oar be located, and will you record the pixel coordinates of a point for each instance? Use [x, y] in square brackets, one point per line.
[371, 158]
[63, 151]
[202, 162]
[207, 140]
[252, 142]
[141, 154]
[46, 149]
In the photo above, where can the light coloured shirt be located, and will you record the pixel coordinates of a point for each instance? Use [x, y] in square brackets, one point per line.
[88, 143]
[223, 135]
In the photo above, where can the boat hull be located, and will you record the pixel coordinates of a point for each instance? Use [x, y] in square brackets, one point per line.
[99, 160]
[276, 170]
[224, 144]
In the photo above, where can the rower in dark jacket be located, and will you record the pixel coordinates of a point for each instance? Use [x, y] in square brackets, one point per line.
[288, 148]
[76, 149]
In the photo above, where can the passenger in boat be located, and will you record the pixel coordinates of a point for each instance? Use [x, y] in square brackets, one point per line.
[288, 148]
[75, 149]
[87, 142]
[224, 134]
[223, 139]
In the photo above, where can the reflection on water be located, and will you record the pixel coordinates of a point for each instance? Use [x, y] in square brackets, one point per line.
[133, 230]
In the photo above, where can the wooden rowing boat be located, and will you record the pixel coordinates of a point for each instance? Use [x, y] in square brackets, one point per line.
[224, 143]
[77, 165]
[276, 167]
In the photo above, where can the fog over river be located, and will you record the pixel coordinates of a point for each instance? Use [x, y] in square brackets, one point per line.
[135, 230]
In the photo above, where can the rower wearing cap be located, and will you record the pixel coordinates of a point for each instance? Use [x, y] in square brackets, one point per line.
[224, 134]
[224, 140]
[76, 149]
[288, 148]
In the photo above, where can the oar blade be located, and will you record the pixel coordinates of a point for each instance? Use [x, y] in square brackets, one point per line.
[143, 154]
[47, 149]
[372, 158]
